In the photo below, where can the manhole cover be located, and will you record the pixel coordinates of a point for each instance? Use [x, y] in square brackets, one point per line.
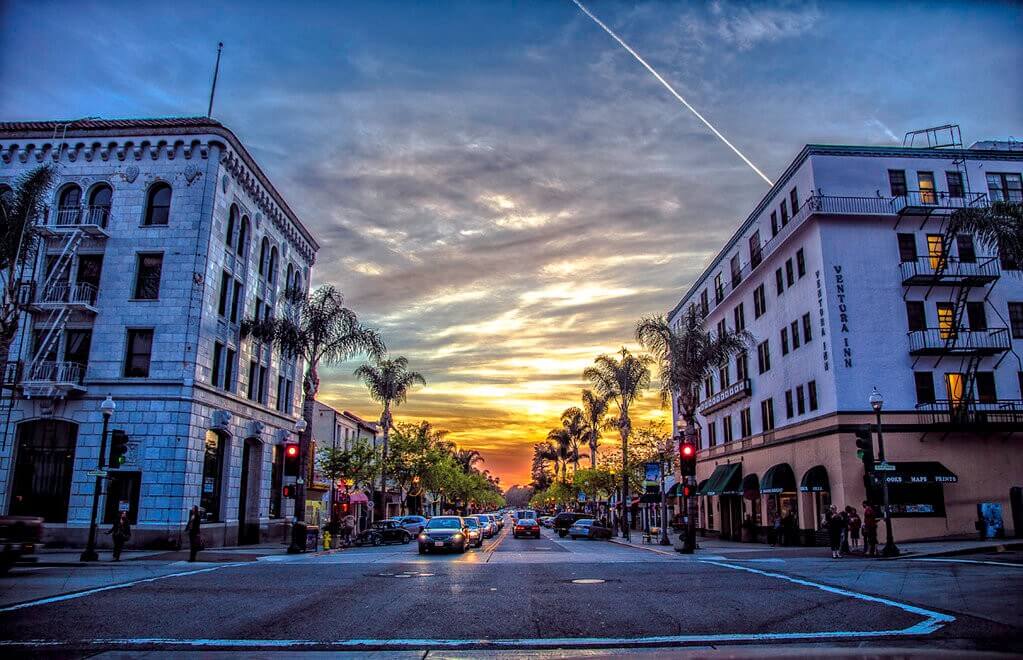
[587, 581]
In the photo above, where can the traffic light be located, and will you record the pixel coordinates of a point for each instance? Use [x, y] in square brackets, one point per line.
[865, 449]
[118, 448]
[687, 458]
[289, 491]
[291, 468]
[687, 490]
[345, 506]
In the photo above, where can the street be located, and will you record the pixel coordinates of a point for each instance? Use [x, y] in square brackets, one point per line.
[513, 594]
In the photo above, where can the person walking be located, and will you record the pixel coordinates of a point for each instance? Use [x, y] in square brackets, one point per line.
[869, 530]
[836, 528]
[120, 533]
[194, 535]
[854, 529]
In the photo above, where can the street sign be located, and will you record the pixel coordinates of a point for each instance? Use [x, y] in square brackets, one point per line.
[369, 505]
[884, 467]
[582, 496]
[96, 473]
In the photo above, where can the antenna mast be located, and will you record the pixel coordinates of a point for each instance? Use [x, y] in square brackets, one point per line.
[216, 71]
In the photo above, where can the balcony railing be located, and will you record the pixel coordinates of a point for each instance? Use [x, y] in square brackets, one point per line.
[60, 374]
[926, 202]
[64, 293]
[90, 219]
[961, 341]
[972, 413]
[938, 270]
[737, 391]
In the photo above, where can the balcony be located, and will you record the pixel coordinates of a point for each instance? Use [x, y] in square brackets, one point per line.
[1008, 412]
[737, 391]
[50, 379]
[932, 271]
[947, 341]
[91, 220]
[79, 297]
[925, 203]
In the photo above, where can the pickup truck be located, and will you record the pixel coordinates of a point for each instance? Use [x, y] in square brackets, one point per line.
[19, 538]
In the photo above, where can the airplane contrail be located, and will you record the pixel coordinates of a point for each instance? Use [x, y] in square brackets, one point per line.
[672, 90]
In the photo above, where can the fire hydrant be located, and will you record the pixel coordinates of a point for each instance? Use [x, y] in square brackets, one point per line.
[326, 540]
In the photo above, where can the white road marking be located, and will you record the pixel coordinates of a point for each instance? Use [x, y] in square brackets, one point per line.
[111, 587]
[968, 561]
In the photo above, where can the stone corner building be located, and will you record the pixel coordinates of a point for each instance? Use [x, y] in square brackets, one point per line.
[160, 237]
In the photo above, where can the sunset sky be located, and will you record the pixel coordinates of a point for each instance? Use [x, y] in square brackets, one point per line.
[499, 187]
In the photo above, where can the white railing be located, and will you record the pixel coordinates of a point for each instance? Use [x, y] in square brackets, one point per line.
[76, 216]
[57, 373]
[81, 293]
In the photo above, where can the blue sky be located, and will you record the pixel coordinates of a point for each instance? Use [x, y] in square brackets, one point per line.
[500, 187]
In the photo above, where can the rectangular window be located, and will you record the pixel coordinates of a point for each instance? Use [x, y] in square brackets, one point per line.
[907, 247]
[236, 301]
[77, 344]
[138, 353]
[954, 386]
[789, 412]
[955, 184]
[779, 282]
[946, 321]
[745, 423]
[724, 377]
[897, 182]
[759, 302]
[736, 270]
[774, 223]
[935, 250]
[975, 315]
[795, 334]
[722, 328]
[915, 317]
[229, 367]
[712, 433]
[726, 429]
[784, 341]
[1016, 319]
[924, 386]
[790, 277]
[289, 395]
[764, 357]
[811, 394]
[263, 371]
[986, 387]
[719, 289]
[1004, 187]
[742, 367]
[253, 385]
[739, 315]
[708, 387]
[89, 268]
[807, 328]
[964, 245]
[704, 303]
[280, 393]
[212, 473]
[755, 255]
[784, 213]
[794, 198]
[800, 403]
[225, 293]
[767, 414]
[925, 183]
[147, 276]
[218, 358]
[800, 263]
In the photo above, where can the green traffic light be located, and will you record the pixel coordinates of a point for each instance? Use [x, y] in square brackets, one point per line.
[859, 454]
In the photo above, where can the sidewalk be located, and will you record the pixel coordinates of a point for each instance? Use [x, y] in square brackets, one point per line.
[735, 550]
[70, 556]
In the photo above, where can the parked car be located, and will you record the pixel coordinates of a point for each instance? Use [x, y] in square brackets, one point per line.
[384, 531]
[19, 538]
[489, 526]
[444, 533]
[566, 519]
[498, 519]
[475, 527]
[414, 524]
[546, 521]
[526, 527]
[589, 528]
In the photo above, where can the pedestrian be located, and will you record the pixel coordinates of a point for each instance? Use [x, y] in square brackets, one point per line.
[120, 533]
[854, 529]
[194, 536]
[846, 518]
[869, 530]
[836, 526]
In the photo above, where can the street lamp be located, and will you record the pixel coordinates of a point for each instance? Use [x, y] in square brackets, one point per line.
[889, 549]
[107, 407]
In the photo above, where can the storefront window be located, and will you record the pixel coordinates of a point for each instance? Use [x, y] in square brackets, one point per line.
[212, 469]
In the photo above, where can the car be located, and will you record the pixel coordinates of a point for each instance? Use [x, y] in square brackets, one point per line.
[588, 528]
[20, 536]
[497, 519]
[524, 513]
[546, 521]
[566, 519]
[526, 527]
[444, 533]
[384, 531]
[475, 527]
[488, 524]
[414, 524]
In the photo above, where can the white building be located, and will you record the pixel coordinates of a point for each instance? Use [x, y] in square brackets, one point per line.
[161, 236]
[846, 278]
[342, 430]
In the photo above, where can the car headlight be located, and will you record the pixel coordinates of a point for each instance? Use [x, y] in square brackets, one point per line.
[456, 536]
[424, 537]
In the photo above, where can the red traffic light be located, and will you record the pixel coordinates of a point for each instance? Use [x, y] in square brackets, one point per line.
[687, 450]
[687, 490]
[292, 451]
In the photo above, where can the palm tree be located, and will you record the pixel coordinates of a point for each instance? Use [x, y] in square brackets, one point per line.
[389, 381]
[543, 454]
[320, 329]
[468, 458]
[575, 426]
[999, 227]
[562, 454]
[621, 381]
[594, 416]
[19, 209]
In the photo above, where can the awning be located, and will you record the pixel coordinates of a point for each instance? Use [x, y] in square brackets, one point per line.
[674, 491]
[815, 480]
[751, 487]
[725, 480]
[918, 472]
[357, 497]
[778, 479]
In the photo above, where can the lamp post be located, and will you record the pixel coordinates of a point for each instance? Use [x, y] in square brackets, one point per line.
[665, 466]
[107, 407]
[889, 549]
[298, 527]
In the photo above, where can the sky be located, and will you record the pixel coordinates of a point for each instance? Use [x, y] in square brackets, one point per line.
[499, 187]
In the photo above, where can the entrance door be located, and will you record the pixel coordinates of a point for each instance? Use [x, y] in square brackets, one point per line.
[248, 494]
[43, 469]
[731, 517]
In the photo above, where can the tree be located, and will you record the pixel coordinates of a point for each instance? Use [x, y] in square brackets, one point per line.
[20, 207]
[319, 329]
[414, 448]
[389, 382]
[595, 418]
[468, 458]
[543, 454]
[622, 381]
[998, 227]
[575, 426]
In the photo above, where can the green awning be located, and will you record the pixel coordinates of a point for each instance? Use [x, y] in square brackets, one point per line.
[726, 480]
[815, 480]
[778, 479]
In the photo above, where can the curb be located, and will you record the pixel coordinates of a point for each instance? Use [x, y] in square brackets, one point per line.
[998, 547]
[669, 553]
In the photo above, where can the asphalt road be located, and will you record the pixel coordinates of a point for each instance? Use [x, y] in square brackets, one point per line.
[515, 594]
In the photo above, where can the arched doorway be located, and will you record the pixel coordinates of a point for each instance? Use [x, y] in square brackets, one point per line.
[43, 469]
[779, 484]
[248, 492]
[817, 486]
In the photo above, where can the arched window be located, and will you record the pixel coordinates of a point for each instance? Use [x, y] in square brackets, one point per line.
[299, 290]
[271, 271]
[289, 281]
[264, 249]
[158, 205]
[100, 200]
[69, 207]
[243, 238]
[232, 220]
